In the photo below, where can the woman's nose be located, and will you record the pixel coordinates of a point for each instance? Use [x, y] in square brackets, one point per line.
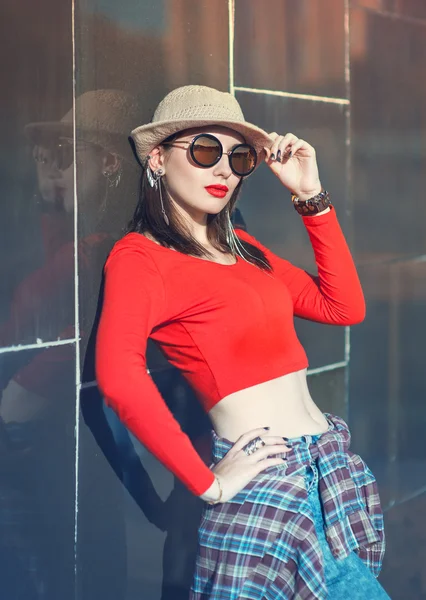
[223, 167]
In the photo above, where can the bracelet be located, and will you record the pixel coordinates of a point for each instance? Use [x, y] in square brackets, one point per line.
[213, 502]
[312, 206]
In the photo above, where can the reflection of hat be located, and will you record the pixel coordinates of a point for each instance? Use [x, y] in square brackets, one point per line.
[196, 106]
[103, 117]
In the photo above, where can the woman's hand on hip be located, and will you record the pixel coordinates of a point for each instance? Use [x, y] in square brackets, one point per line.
[294, 162]
[236, 469]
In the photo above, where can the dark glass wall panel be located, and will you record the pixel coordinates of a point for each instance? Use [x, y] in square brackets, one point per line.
[403, 571]
[411, 9]
[36, 231]
[415, 9]
[101, 536]
[37, 489]
[266, 205]
[107, 185]
[138, 527]
[388, 151]
[284, 46]
[387, 377]
[128, 58]
[370, 377]
[375, 5]
[148, 47]
[388, 93]
[408, 409]
[328, 391]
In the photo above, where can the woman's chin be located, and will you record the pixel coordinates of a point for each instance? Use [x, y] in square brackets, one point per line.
[214, 212]
[214, 208]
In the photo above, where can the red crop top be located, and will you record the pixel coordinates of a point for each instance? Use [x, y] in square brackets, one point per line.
[225, 327]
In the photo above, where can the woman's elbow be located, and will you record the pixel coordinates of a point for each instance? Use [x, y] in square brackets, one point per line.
[356, 313]
[357, 319]
[113, 395]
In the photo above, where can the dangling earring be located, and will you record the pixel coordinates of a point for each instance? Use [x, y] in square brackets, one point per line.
[150, 176]
[113, 179]
[232, 239]
[235, 244]
[165, 217]
[230, 235]
[154, 180]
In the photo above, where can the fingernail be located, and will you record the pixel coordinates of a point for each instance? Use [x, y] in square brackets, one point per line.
[266, 428]
[279, 155]
[289, 155]
[272, 156]
[285, 459]
[285, 439]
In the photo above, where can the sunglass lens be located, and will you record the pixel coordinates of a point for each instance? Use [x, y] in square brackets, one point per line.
[64, 156]
[243, 159]
[206, 151]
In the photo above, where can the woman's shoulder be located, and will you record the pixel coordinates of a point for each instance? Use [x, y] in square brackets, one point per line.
[137, 242]
[135, 248]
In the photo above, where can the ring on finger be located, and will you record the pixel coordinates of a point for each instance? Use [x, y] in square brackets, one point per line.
[253, 445]
[250, 448]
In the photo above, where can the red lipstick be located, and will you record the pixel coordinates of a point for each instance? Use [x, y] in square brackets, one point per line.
[218, 191]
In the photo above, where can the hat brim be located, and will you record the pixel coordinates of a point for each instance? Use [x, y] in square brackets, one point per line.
[147, 137]
[46, 130]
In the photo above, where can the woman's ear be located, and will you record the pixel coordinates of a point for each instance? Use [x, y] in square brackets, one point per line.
[156, 158]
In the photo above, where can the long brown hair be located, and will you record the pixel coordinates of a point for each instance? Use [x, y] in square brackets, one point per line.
[148, 218]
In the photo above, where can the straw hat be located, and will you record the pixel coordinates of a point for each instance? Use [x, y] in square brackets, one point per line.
[103, 117]
[196, 106]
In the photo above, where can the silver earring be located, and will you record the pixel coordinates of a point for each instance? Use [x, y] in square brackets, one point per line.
[231, 238]
[235, 244]
[154, 176]
[154, 180]
[150, 176]
[113, 178]
[165, 217]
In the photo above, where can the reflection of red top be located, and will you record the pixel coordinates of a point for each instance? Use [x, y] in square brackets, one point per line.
[43, 302]
[225, 327]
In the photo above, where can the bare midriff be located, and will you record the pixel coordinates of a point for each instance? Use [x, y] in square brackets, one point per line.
[283, 404]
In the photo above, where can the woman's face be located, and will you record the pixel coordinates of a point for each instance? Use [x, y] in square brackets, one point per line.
[55, 172]
[188, 184]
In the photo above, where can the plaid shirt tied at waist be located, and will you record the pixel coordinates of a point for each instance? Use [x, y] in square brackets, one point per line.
[263, 541]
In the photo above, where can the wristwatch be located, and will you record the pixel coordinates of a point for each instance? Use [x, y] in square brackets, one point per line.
[312, 206]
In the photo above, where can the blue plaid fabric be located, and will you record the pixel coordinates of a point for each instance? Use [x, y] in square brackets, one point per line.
[263, 544]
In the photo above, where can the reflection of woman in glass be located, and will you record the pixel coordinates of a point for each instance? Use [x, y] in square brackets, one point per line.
[37, 387]
[294, 516]
[46, 296]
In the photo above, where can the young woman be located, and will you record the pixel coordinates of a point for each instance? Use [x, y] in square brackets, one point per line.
[290, 512]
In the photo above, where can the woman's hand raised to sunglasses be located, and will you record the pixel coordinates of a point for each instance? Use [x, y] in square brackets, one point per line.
[294, 162]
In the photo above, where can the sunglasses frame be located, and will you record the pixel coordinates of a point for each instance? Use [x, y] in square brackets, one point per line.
[60, 147]
[215, 139]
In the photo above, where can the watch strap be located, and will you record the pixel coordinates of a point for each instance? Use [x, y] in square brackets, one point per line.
[313, 205]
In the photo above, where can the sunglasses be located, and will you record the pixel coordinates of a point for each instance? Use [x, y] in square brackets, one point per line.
[206, 151]
[60, 152]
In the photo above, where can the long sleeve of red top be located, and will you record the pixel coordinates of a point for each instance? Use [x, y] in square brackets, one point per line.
[133, 305]
[335, 295]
